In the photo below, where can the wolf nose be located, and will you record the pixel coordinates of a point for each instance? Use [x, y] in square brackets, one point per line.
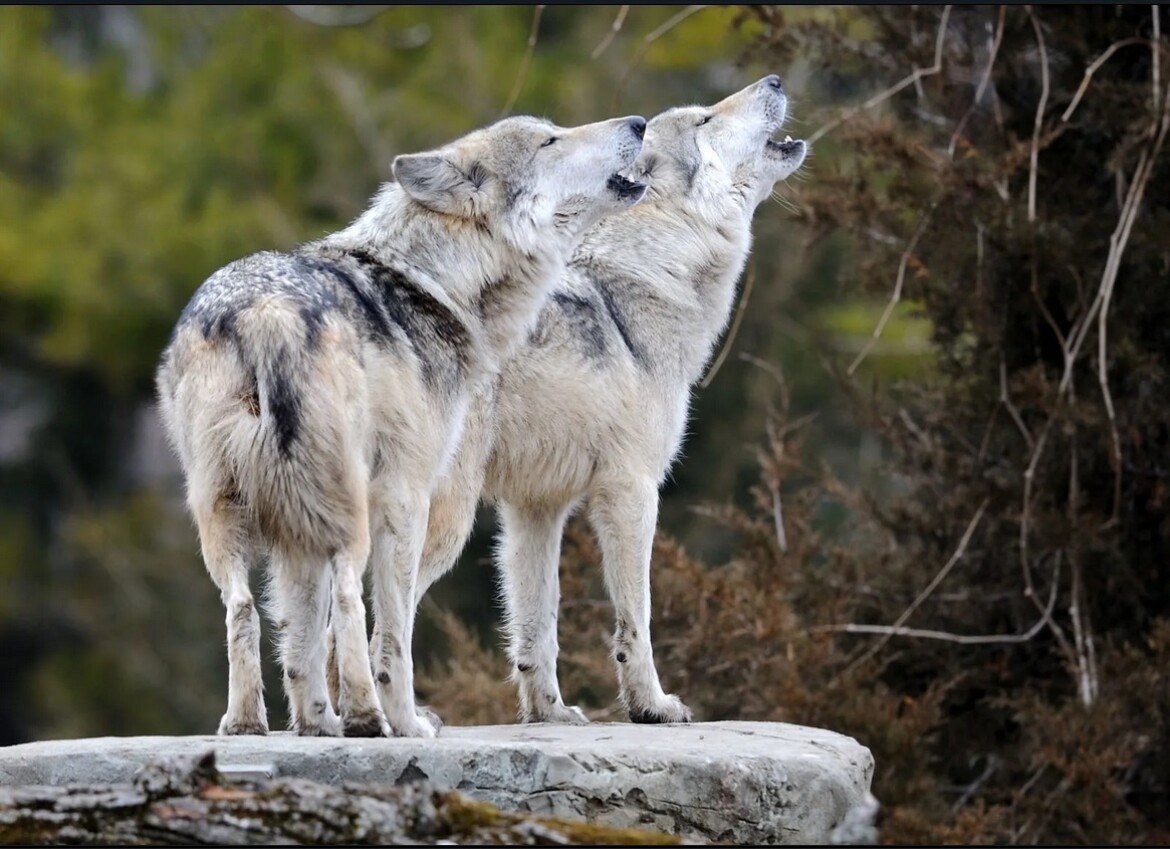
[638, 125]
[773, 82]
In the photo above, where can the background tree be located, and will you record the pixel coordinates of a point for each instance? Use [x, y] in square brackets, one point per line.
[988, 613]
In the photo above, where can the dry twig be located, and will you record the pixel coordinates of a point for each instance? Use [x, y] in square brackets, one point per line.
[614, 29]
[652, 37]
[897, 295]
[1096, 64]
[889, 631]
[1006, 400]
[1039, 120]
[910, 79]
[896, 628]
[522, 77]
[986, 78]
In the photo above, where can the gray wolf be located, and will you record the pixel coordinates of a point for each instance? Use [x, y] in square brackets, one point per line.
[592, 409]
[314, 397]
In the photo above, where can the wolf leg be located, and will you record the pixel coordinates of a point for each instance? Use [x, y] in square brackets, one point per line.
[450, 520]
[529, 557]
[397, 547]
[225, 548]
[453, 503]
[357, 702]
[624, 514]
[299, 591]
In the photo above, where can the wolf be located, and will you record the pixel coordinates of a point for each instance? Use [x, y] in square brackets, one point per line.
[592, 408]
[315, 396]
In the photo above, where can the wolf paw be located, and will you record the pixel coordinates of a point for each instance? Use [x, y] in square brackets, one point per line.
[669, 709]
[366, 724]
[231, 726]
[427, 715]
[327, 724]
[414, 726]
[560, 713]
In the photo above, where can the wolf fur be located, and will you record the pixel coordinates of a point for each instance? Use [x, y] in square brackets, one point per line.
[314, 397]
[592, 409]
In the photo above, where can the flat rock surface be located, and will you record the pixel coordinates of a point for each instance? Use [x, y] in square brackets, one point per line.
[745, 782]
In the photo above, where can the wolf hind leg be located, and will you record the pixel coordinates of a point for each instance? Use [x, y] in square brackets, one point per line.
[226, 546]
[347, 646]
[298, 595]
[624, 514]
[529, 557]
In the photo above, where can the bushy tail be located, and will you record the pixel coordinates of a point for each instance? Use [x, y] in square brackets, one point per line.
[295, 451]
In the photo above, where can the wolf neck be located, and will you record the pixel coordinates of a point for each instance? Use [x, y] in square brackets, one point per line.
[497, 284]
[682, 284]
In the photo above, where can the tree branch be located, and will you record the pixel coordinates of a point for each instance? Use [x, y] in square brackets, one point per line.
[614, 29]
[522, 76]
[1038, 123]
[911, 79]
[984, 80]
[671, 23]
[889, 631]
[897, 294]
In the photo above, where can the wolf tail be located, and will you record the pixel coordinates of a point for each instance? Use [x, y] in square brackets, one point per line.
[295, 443]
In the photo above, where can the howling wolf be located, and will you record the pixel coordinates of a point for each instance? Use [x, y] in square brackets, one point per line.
[592, 409]
[315, 397]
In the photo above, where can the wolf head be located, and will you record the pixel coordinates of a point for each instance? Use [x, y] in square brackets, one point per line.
[721, 150]
[529, 175]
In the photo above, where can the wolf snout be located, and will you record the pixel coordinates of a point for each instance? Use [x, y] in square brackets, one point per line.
[637, 125]
[772, 81]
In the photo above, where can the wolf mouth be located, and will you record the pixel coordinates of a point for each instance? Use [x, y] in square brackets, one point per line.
[788, 147]
[624, 188]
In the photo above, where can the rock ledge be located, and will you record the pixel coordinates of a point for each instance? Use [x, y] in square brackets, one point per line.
[743, 782]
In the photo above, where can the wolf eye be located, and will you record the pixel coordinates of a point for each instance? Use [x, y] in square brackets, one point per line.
[706, 120]
[548, 141]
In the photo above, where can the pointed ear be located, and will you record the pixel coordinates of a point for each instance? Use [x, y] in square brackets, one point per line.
[438, 183]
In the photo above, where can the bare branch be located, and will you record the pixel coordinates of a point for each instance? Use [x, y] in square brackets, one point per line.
[982, 82]
[1082, 635]
[614, 29]
[522, 76]
[1039, 121]
[671, 23]
[1118, 242]
[778, 519]
[739, 313]
[889, 631]
[1025, 522]
[1119, 239]
[1006, 400]
[910, 79]
[347, 87]
[1156, 70]
[896, 628]
[1096, 64]
[897, 294]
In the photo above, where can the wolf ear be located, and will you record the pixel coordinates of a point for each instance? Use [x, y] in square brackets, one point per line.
[438, 183]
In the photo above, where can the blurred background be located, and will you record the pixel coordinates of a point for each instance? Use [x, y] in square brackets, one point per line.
[952, 356]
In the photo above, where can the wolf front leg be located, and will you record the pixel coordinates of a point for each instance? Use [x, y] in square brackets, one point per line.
[529, 557]
[624, 513]
[225, 551]
[397, 546]
[451, 516]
